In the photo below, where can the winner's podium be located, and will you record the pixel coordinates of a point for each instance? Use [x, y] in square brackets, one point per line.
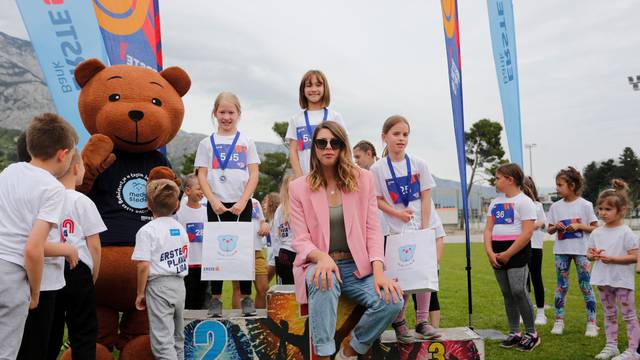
[282, 332]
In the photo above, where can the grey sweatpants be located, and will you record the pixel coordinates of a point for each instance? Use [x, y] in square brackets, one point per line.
[165, 304]
[513, 284]
[15, 297]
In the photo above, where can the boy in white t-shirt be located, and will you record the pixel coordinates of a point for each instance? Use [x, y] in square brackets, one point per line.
[161, 250]
[192, 215]
[80, 226]
[31, 200]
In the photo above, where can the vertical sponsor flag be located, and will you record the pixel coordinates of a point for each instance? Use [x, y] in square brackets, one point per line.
[452, 43]
[131, 31]
[503, 41]
[63, 34]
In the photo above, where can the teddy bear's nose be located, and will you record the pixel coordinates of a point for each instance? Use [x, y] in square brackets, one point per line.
[136, 115]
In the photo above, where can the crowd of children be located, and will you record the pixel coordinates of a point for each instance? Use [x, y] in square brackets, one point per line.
[50, 244]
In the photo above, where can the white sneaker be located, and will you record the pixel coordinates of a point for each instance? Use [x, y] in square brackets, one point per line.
[608, 352]
[627, 355]
[341, 356]
[592, 330]
[541, 319]
[558, 327]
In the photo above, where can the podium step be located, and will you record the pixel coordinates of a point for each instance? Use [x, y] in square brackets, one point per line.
[282, 332]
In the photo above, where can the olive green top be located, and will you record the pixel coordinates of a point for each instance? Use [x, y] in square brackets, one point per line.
[338, 237]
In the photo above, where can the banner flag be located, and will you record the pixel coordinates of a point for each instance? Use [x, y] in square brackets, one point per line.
[131, 31]
[63, 35]
[452, 43]
[503, 41]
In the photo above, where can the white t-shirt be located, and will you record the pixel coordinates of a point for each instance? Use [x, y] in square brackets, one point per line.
[421, 181]
[164, 243]
[257, 216]
[538, 235]
[281, 232]
[27, 193]
[193, 221]
[298, 131]
[229, 184]
[616, 241]
[577, 211]
[53, 270]
[508, 214]
[80, 220]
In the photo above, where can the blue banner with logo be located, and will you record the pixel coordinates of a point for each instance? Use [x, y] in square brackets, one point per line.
[452, 43]
[63, 34]
[503, 41]
[131, 31]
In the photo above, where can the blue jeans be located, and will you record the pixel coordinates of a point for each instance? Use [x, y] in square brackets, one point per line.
[323, 306]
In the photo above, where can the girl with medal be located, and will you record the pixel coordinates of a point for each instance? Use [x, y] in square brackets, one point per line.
[403, 188]
[227, 167]
[314, 98]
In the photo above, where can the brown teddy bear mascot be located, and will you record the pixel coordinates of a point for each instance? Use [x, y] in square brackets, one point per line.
[129, 112]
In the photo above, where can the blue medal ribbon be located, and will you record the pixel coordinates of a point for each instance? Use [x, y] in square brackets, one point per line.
[404, 197]
[232, 148]
[306, 120]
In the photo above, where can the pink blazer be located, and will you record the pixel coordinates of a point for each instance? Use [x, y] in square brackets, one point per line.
[310, 222]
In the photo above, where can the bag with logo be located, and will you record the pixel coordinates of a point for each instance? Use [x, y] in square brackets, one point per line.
[227, 251]
[411, 258]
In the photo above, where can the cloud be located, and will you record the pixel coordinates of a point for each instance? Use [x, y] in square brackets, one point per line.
[384, 58]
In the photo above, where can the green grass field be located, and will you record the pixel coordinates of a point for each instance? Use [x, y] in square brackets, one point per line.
[488, 307]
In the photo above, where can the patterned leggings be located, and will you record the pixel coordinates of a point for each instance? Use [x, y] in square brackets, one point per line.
[610, 298]
[583, 266]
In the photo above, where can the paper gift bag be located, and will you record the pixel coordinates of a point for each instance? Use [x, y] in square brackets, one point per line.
[227, 251]
[411, 258]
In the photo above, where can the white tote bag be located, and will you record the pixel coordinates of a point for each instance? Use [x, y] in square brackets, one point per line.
[411, 258]
[227, 251]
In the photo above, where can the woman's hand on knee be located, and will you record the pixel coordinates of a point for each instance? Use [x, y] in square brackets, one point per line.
[390, 287]
[322, 277]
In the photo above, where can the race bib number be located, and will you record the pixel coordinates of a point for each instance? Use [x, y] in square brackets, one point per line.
[304, 138]
[563, 235]
[503, 214]
[194, 231]
[411, 188]
[238, 158]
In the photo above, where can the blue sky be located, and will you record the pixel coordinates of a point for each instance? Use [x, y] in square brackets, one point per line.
[384, 58]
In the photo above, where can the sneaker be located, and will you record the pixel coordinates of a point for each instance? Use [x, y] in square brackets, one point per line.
[341, 356]
[216, 308]
[558, 327]
[608, 352]
[425, 331]
[528, 342]
[248, 306]
[402, 332]
[592, 330]
[511, 341]
[541, 319]
[626, 355]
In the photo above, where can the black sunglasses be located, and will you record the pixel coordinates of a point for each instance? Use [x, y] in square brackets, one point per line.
[336, 143]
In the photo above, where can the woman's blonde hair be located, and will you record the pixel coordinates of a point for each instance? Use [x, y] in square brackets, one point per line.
[308, 76]
[347, 172]
[284, 196]
[228, 97]
[392, 121]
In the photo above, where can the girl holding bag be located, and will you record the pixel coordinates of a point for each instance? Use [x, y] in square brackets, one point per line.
[339, 246]
[227, 167]
[403, 187]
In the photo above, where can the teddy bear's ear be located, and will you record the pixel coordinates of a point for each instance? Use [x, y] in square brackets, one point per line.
[86, 70]
[178, 78]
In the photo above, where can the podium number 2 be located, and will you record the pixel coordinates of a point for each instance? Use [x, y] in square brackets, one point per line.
[437, 351]
[212, 337]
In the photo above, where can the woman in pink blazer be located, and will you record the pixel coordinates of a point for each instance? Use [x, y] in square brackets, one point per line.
[339, 245]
